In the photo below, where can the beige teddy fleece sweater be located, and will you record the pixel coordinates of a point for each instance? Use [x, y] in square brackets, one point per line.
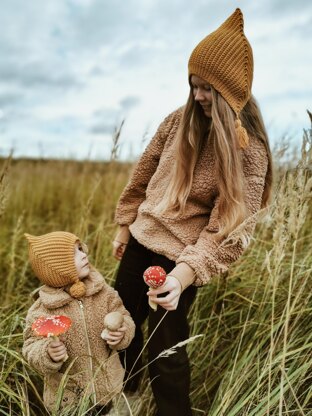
[94, 370]
[188, 238]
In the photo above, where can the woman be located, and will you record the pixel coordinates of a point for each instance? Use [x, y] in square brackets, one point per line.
[190, 202]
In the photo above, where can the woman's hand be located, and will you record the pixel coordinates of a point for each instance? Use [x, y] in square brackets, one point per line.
[114, 337]
[120, 241]
[57, 351]
[171, 300]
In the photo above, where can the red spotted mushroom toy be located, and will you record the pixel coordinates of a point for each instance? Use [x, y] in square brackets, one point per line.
[154, 277]
[52, 326]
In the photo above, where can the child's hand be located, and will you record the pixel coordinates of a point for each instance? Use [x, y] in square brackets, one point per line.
[114, 337]
[57, 351]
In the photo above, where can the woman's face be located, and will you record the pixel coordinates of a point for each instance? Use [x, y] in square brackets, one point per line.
[202, 94]
[81, 261]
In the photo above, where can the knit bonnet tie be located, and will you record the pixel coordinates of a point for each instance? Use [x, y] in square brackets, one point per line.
[224, 59]
[52, 260]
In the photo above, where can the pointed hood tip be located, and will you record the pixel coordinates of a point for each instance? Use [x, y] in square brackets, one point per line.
[28, 236]
[234, 20]
[238, 12]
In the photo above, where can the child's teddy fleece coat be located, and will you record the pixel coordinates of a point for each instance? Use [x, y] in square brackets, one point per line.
[95, 370]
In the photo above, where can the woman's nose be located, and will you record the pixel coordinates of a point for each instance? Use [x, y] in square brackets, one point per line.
[198, 95]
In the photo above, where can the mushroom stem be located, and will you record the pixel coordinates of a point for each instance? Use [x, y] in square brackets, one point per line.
[153, 305]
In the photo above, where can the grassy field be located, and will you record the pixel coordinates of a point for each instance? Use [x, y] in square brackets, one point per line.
[254, 356]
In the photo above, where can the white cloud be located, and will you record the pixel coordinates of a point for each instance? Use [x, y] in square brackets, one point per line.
[73, 69]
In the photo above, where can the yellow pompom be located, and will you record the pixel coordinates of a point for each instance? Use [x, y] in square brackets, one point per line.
[241, 134]
[77, 290]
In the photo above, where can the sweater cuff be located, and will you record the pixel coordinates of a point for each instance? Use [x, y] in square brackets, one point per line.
[198, 263]
[184, 274]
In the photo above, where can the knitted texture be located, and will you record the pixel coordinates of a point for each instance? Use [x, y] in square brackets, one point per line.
[188, 238]
[224, 59]
[92, 365]
[52, 258]
[77, 290]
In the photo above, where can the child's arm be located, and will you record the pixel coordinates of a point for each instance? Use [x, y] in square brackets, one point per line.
[35, 348]
[121, 338]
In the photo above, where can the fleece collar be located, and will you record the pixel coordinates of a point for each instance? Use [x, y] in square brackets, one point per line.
[53, 298]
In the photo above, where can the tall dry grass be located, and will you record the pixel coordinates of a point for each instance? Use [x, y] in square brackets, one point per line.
[254, 357]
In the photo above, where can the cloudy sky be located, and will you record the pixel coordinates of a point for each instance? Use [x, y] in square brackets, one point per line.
[72, 70]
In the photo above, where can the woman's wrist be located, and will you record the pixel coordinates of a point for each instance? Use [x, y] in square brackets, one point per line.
[175, 277]
[184, 274]
[122, 235]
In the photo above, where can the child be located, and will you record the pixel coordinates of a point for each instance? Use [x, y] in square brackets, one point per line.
[72, 287]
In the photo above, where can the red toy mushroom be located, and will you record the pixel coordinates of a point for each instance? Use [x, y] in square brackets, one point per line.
[51, 326]
[154, 277]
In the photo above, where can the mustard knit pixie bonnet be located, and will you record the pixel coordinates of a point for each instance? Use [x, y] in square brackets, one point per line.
[52, 260]
[224, 59]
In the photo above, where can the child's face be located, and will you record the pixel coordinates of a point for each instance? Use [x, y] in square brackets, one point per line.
[81, 261]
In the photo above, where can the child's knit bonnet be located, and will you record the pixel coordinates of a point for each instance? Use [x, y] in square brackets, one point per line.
[52, 259]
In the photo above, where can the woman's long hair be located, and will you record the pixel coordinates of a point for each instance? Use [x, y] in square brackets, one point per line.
[192, 133]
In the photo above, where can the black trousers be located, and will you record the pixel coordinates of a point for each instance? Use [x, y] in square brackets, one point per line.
[170, 376]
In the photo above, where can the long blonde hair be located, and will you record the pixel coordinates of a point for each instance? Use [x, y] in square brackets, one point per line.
[191, 135]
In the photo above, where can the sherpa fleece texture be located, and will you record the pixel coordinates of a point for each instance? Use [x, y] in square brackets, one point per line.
[102, 371]
[188, 238]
